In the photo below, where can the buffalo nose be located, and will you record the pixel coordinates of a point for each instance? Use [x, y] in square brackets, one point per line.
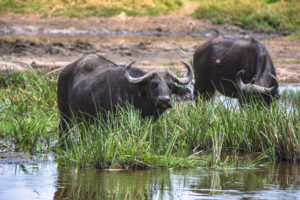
[164, 99]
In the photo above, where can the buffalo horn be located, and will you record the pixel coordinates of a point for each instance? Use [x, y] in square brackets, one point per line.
[185, 80]
[253, 87]
[129, 65]
[133, 79]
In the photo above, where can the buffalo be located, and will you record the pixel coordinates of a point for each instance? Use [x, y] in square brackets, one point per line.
[93, 85]
[236, 68]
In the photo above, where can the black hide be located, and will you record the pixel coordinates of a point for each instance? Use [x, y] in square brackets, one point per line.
[217, 62]
[94, 85]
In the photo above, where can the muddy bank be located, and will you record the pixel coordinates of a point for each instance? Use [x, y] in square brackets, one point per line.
[150, 51]
[164, 23]
[23, 48]
[148, 55]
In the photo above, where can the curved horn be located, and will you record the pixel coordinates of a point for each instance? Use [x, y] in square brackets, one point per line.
[133, 79]
[185, 80]
[275, 86]
[129, 65]
[240, 83]
[253, 87]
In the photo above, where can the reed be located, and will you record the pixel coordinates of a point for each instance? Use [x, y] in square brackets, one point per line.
[28, 112]
[203, 135]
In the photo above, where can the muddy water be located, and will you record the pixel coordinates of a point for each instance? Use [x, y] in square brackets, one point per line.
[47, 180]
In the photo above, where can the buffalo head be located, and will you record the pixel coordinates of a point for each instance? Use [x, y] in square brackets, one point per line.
[160, 85]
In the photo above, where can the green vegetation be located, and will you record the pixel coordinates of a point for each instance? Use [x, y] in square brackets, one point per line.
[210, 134]
[28, 112]
[281, 16]
[271, 15]
[294, 36]
[86, 8]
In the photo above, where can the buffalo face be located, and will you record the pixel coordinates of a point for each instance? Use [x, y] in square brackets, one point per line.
[159, 86]
[160, 91]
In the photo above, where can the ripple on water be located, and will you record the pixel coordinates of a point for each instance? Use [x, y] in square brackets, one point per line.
[45, 180]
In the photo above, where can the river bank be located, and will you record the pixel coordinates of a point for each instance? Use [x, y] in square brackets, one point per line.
[158, 42]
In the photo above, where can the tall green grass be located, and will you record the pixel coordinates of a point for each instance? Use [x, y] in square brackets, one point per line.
[211, 134]
[278, 15]
[28, 112]
[189, 136]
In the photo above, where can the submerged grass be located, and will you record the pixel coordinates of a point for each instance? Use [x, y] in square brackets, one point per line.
[210, 134]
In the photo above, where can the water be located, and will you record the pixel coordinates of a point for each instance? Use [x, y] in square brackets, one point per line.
[28, 181]
[233, 103]
[47, 180]
[73, 31]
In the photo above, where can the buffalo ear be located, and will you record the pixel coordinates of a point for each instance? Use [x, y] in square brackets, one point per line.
[183, 94]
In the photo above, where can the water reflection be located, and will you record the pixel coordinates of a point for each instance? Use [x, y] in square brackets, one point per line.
[30, 181]
[92, 184]
[49, 181]
[261, 183]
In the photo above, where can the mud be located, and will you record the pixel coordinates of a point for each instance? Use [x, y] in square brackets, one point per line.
[153, 42]
[37, 49]
[164, 23]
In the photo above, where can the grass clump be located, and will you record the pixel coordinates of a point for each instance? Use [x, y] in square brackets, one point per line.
[28, 117]
[208, 135]
[86, 8]
[126, 141]
[279, 15]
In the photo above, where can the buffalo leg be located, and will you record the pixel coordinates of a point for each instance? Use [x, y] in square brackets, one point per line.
[63, 127]
[204, 90]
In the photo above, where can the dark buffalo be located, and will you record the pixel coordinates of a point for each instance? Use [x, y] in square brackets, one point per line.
[93, 85]
[236, 68]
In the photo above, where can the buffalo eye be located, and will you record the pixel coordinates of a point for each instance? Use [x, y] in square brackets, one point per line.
[154, 84]
[171, 85]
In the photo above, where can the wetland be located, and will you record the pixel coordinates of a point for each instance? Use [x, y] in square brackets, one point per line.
[223, 153]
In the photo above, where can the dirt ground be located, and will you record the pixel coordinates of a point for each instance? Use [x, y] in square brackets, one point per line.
[153, 42]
